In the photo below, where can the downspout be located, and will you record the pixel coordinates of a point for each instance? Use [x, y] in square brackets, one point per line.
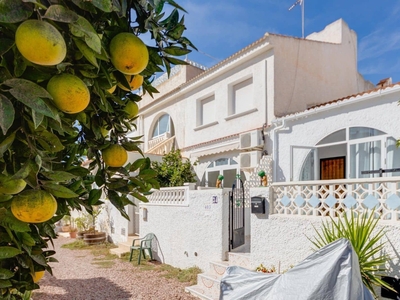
[275, 149]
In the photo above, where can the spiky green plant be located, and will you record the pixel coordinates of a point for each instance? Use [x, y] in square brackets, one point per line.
[366, 241]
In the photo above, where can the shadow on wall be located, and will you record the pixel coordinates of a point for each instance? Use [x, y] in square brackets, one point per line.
[394, 268]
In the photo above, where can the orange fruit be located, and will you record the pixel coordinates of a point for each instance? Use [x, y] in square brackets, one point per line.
[128, 53]
[112, 89]
[38, 275]
[70, 94]
[132, 109]
[40, 43]
[115, 156]
[34, 206]
[10, 186]
[134, 81]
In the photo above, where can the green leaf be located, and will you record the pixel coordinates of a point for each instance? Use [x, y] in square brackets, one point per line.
[140, 197]
[7, 114]
[12, 11]
[5, 198]
[59, 190]
[61, 14]
[5, 284]
[94, 196]
[40, 259]
[8, 252]
[104, 5]
[87, 52]
[49, 141]
[176, 61]
[37, 118]
[83, 28]
[26, 89]
[177, 51]
[59, 176]
[24, 171]
[176, 32]
[5, 45]
[26, 239]
[5, 274]
[4, 145]
[7, 219]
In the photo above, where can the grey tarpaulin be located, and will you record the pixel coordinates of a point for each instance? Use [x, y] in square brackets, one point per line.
[331, 273]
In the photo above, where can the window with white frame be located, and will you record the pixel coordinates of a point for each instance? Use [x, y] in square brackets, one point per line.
[242, 97]
[206, 111]
[366, 150]
[162, 126]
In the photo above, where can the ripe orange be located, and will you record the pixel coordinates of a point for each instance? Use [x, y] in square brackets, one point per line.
[70, 94]
[129, 54]
[11, 186]
[40, 43]
[132, 109]
[112, 89]
[34, 206]
[134, 81]
[38, 275]
[115, 156]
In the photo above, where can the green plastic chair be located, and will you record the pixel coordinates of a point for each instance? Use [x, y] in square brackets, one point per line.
[145, 244]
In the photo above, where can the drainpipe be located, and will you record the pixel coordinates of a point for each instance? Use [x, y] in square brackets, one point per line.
[275, 148]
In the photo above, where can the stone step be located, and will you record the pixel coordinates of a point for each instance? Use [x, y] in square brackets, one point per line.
[123, 247]
[218, 267]
[199, 292]
[239, 259]
[210, 284]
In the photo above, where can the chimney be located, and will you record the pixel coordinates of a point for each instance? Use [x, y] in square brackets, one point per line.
[384, 82]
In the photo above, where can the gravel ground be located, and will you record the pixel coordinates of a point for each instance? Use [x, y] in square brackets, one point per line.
[78, 277]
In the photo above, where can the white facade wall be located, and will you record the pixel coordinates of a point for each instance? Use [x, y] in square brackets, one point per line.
[190, 235]
[379, 110]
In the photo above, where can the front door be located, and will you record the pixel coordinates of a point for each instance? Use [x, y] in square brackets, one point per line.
[333, 168]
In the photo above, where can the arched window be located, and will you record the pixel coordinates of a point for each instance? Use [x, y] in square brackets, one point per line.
[162, 126]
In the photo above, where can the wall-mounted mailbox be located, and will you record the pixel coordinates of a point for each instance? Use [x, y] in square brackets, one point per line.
[257, 205]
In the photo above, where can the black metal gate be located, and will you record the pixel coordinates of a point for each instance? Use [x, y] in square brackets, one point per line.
[236, 214]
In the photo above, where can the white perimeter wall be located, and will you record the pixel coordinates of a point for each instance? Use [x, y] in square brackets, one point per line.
[190, 235]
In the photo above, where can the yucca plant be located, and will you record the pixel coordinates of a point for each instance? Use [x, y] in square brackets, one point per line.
[360, 231]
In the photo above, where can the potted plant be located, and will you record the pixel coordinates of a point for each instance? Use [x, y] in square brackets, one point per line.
[72, 232]
[83, 224]
[66, 223]
[92, 236]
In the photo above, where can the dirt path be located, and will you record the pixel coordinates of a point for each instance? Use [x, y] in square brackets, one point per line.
[79, 275]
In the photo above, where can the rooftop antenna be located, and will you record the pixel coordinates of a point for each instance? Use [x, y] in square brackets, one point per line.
[301, 2]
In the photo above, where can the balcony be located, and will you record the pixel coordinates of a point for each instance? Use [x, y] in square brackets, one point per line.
[161, 145]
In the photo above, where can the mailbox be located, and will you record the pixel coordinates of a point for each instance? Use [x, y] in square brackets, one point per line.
[257, 205]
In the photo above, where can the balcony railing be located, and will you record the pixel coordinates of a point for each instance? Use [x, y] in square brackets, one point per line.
[162, 144]
[172, 196]
[335, 197]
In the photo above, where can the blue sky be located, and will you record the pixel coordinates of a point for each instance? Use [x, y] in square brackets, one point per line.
[220, 28]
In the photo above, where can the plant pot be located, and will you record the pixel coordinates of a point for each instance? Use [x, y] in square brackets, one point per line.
[72, 234]
[94, 238]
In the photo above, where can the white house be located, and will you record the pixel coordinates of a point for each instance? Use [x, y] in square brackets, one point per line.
[205, 112]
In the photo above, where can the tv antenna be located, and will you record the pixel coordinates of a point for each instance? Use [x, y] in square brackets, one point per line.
[301, 3]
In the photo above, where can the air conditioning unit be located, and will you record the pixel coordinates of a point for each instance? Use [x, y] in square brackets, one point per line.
[250, 159]
[251, 139]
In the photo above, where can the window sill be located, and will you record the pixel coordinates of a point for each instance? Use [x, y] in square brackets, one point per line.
[241, 114]
[206, 125]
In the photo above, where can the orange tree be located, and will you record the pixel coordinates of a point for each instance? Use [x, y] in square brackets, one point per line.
[61, 61]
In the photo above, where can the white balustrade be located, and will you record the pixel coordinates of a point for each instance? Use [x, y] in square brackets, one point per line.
[174, 196]
[335, 197]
